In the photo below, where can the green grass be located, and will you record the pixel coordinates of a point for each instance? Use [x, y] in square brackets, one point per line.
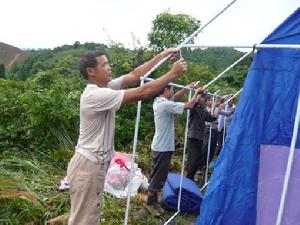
[29, 195]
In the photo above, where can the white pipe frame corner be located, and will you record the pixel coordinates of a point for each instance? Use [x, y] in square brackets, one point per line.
[140, 104]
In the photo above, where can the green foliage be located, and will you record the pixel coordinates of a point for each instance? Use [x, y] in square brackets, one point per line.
[33, 64]
[42, 112]
[121, 59]
[28, 192]
[169, 30]
[76, 44]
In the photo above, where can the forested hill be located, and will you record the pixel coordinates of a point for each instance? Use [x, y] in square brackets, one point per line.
[216, 57]
[10, 55]
[122, 59]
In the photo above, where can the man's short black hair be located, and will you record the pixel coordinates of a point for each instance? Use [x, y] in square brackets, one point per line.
[88, 60]
[163, 90]
[207, 97]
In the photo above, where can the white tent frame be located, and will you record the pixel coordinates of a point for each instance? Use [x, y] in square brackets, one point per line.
[185, 45]
[296, 125]
[140, 104]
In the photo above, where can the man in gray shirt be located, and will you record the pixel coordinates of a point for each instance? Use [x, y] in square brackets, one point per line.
[163, 144]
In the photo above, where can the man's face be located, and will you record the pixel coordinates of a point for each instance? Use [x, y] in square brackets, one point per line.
[200, 100]
[102, 72]
[209, 102]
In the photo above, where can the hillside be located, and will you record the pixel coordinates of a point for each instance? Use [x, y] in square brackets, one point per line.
[215, 57]
[10, 55]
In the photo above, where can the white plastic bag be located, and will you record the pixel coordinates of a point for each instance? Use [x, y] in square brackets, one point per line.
[117, 179]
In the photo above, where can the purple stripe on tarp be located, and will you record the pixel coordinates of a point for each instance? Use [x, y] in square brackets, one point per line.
[272, 167]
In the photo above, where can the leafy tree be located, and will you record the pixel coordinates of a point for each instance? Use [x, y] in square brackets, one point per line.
[2, 71]
[76, 44]
[169, 30]
[121, 59]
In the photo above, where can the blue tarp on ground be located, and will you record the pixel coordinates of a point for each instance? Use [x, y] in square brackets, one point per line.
[264, 116]
[190, 197]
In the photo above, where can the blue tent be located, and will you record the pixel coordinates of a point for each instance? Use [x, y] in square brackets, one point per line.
[247, 181]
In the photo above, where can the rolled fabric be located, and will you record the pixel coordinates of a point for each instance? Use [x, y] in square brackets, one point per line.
[191, 196]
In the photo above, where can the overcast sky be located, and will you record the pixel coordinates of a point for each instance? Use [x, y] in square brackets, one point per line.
[52, 23]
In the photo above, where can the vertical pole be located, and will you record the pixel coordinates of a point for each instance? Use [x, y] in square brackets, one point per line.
[184, 151]
[224, 131]
[289, 165]
[182, 165]
[209, 142]
[136, 131]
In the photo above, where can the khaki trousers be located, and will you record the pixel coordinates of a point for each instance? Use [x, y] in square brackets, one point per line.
[86, 181]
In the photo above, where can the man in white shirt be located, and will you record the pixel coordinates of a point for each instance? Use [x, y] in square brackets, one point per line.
[100, 100]
[224, 120]
[214, 130]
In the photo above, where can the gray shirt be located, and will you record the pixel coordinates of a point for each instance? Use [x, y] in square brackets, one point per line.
[164, 111]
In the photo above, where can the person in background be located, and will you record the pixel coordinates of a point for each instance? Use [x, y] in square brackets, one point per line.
[213, 110]
[196, 132]
[224, 119]
[100, 100]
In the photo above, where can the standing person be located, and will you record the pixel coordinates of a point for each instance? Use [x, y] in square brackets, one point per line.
[196, 154]
[165, 108]
[214, 131]
[101, 98]
[224, 119]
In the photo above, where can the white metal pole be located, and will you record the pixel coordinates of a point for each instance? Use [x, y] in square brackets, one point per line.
[236, 94]
[182, 164]
[257, 46]
[209, 140]
[182, 87]
[171, 84]
[204, 186]
[208, 154]
[224, 131]
[227, 69]
[171, 218]
[136, 131]
[289, 164]
[188, 39]
[184, 151]
[202, 28]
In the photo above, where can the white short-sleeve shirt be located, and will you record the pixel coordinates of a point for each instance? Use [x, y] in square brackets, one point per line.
[97, 120]
[164, 111]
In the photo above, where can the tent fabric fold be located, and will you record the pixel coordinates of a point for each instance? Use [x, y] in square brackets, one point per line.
[190, 196]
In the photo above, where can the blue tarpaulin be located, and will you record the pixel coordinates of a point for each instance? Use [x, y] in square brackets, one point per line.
[263, 122]
[190, 197]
